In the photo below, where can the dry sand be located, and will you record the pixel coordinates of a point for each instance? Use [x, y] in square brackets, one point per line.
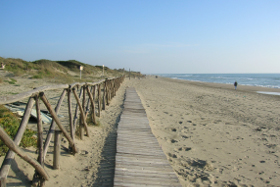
[212, 135]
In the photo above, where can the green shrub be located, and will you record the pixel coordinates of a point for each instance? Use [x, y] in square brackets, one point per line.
[11, 81]
[10, 123]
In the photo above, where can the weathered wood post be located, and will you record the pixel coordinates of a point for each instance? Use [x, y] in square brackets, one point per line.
[56, 154]
[52, 126]
[92, 105]
[104, 95]
[108, 92]
[81, 112]
[88, 103]
[72, 132]
[77, 109]
[99, 100]
[37, 179]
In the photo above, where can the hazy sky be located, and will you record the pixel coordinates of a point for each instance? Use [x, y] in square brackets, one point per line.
[151, 36]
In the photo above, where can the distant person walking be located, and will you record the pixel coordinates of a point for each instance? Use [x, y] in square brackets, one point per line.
[235, 84]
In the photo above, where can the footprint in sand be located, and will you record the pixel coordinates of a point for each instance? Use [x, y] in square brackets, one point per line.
[172, 155]
[173, 141]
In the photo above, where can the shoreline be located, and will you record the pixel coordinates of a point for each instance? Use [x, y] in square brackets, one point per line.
[196, 81]
[240, 87]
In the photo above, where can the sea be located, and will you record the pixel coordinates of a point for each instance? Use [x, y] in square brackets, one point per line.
[263, 80]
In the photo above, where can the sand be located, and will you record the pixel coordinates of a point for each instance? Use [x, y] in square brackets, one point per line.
[212, 135]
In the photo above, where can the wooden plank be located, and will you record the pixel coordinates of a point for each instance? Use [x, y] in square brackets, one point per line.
[139, 158]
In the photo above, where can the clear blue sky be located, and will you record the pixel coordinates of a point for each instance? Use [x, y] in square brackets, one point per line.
[151, 36]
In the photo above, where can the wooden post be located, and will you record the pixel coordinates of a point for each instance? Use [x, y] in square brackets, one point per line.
[114, 88]
[56, 154]
[76, 111]
[108, 92]
[36, 177]
[99, 100]
[52, 126]
[11, 144]
[72, 132]
[92, 105]
[10, 155]
[82, 112]
[88, 103]
[55, 117]
[39, 132]
[104, 95]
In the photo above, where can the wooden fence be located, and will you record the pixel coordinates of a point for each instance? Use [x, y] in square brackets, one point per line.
[95, 96]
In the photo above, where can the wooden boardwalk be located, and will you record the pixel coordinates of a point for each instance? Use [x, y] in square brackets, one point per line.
[139, 159]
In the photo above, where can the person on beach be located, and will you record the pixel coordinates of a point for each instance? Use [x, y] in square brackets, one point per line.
[235, 84]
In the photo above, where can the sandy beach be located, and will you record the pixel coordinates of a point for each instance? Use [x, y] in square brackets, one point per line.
[212, 135]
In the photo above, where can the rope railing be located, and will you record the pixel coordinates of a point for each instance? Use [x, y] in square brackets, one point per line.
[92, 99]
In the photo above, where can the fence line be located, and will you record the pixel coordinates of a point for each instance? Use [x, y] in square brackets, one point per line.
[94, 94]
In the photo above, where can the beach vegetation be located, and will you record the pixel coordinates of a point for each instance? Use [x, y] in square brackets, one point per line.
[10, 123]
[11, 81]
[61, 71]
